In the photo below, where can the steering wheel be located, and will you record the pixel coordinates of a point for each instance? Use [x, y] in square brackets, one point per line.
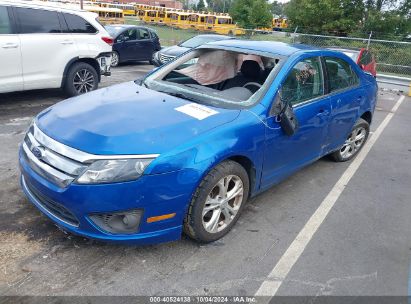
[252, 84]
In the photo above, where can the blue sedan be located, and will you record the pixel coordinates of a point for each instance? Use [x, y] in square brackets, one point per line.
[132, 43]
[182, 150]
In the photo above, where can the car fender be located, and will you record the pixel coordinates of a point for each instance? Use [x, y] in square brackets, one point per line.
[242, 138]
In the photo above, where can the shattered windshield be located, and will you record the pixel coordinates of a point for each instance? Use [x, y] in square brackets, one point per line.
[221, 78]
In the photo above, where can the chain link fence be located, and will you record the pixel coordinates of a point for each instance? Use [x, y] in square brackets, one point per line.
[393, 57]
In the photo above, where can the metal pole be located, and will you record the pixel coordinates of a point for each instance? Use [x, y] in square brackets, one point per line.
[369, 40]
[81, 4]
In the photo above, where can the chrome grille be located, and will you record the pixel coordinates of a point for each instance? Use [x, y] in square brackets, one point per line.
[59, 163]
[165, 58]
[53, 166]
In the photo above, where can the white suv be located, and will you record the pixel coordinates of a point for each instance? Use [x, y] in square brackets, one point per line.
[45, 46]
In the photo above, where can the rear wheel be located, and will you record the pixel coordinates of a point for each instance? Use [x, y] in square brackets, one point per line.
[115, 59]
[81, 78]
[353, 143]
[217, 202]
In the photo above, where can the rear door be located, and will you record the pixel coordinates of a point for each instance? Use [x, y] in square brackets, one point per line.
[145, 45]
[11, 74]
[346, 96]
[45, 48]
[83, 34]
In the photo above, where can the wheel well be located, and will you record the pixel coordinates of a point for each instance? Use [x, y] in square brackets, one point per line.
[91, 61]
[367, 116]
[248, 165]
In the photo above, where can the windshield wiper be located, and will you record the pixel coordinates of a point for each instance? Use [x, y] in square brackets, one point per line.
[181, 95]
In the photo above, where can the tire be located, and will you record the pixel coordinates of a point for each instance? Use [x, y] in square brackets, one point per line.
[74, 84]
[115, 59]
[351, 147]
[198, 223]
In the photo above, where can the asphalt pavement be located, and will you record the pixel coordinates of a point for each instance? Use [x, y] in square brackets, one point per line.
[361, 247]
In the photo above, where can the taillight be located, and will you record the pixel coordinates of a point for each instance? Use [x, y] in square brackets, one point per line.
[108, 40]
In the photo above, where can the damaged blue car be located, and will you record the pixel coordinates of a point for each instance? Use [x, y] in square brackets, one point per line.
[182, 150]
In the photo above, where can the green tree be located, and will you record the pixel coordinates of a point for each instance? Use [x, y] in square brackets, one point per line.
[219, 6]
[277, 8]
[200, 5]
[251, 14]
[325, 15]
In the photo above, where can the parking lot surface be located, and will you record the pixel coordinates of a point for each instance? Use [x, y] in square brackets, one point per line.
[362, 246]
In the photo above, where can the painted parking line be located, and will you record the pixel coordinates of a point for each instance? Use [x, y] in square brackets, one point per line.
[409, 284]
[280, 271]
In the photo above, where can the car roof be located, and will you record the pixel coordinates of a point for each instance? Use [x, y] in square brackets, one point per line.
[340, 49]
[124, 26]
[57, 6]
[215, 36]
[269, 47]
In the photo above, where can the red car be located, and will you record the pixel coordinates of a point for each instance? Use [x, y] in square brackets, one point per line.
[363, 57]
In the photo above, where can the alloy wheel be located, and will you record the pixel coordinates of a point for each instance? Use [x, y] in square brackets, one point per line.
[114, 59]
[222, 204]
[83, 81]
[353, 143]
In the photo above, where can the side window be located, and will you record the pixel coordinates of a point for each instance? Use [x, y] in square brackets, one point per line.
[304, 82]
[38, 21]
[340, 74]
[78, 25]
[130, 34]
[5, 26]
[143, 34]
[153, 35]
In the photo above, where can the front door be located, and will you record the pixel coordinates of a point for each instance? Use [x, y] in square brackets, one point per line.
[303, 87]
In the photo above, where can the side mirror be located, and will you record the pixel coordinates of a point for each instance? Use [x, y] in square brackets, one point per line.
[285, 115]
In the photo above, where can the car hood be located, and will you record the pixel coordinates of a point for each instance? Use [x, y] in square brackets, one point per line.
[127, 119]
[174, 50]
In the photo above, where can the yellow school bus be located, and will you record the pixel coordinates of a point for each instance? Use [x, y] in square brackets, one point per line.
[107, 15]
[164, 17]
[222, 24]
[150, 16]
[280, 23]
[198, 21]
[128, 9]
[179, 19]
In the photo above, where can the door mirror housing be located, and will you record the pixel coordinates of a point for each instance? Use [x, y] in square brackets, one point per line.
[285, 115]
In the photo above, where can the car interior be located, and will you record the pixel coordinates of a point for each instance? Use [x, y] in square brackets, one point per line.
[232, 75]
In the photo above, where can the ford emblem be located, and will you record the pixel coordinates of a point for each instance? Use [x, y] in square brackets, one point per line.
[37, 151]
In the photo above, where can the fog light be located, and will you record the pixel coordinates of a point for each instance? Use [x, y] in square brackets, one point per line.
[125, 222]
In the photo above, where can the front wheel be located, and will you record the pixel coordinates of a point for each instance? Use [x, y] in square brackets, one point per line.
[353, 143]
[81, 78]
[217, 202]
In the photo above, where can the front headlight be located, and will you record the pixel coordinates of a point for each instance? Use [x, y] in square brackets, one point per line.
[114, 171]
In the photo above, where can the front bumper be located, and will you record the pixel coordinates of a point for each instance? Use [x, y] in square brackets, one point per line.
[104, 61]
[154, 194]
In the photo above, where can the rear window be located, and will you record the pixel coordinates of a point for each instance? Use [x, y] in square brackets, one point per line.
[5, 26]
[78, 25]
[38, 21]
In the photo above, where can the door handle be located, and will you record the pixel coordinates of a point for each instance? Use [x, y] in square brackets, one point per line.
[67, 42]
[10, 46]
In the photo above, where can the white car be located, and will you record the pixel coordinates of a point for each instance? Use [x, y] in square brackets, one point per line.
[46, 46]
